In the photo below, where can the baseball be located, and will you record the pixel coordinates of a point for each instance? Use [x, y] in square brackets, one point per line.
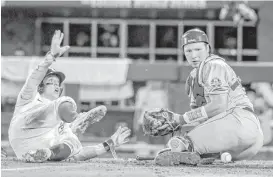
[226, 157]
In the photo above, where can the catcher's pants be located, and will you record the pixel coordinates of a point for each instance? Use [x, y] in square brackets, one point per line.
[47, 140]
[237, 131]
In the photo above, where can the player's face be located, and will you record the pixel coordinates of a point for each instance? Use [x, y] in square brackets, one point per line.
[196, 52]
[52, 87]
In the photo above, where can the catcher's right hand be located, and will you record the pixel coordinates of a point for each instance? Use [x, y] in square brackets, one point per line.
[160, 122]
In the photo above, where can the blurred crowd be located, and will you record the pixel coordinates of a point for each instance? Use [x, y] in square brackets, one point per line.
[17, 34]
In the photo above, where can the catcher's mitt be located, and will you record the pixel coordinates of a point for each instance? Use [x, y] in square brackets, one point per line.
[160, 122]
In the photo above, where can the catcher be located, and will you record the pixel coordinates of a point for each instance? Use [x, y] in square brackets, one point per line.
[227, 122]
[45, 124]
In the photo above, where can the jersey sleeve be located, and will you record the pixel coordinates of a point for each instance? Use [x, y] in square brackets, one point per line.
[215, 77]
[29, 90]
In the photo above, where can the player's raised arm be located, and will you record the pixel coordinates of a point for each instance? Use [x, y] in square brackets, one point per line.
[29, 90]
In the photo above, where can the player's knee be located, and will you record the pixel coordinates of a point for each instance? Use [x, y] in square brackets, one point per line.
[67, 111]
[60, 152]
[67, 99]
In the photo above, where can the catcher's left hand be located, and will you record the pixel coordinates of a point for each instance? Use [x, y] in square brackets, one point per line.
[160, 122]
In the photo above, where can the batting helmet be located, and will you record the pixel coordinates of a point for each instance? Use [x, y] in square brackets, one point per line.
[50, 72]
[193, 36]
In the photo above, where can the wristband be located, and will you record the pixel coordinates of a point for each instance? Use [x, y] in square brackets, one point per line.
[111, 146]
[195, 115]
[106, 146]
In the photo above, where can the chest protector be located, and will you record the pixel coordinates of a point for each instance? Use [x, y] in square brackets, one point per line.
[193, 83]
[196, 89]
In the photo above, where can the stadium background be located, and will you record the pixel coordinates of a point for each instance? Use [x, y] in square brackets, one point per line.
[118, 50]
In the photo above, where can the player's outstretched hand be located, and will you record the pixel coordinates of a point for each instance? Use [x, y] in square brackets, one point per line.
[121, 136]
[56, 49]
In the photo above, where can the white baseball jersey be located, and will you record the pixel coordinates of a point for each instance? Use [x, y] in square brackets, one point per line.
[30, 109]
[35, 122]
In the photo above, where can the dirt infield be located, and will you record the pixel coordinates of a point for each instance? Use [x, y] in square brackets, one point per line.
[106, 167]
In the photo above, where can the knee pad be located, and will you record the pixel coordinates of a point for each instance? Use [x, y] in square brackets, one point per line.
[179, 144]
[67, 109]
[60, 152]
[66, 99]
[73, 143]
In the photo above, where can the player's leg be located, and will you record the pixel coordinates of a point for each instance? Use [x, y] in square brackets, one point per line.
[225, 133]
[79, 122]
[64, 151]
[249, 152]
[253, 140]
[236, 131]
[69, 147]
[63, 108]
[85, 119]
[62, 146]
[58, 152]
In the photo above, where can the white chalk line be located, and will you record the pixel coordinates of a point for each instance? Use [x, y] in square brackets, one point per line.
[38, 168]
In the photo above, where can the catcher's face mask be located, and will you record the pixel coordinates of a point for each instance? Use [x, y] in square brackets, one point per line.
[52, 87]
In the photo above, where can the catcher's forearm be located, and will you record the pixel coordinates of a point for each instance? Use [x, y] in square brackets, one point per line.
[194, 115]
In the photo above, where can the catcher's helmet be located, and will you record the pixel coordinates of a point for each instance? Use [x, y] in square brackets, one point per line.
[193, 36]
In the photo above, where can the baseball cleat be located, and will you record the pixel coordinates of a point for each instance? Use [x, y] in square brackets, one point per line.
[85, 119]
[38, 156]
[170, 158]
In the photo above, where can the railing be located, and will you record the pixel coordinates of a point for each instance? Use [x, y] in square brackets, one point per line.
[235, 43]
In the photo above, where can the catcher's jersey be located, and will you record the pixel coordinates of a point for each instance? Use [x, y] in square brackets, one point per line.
[33, 114]
[215, 76]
